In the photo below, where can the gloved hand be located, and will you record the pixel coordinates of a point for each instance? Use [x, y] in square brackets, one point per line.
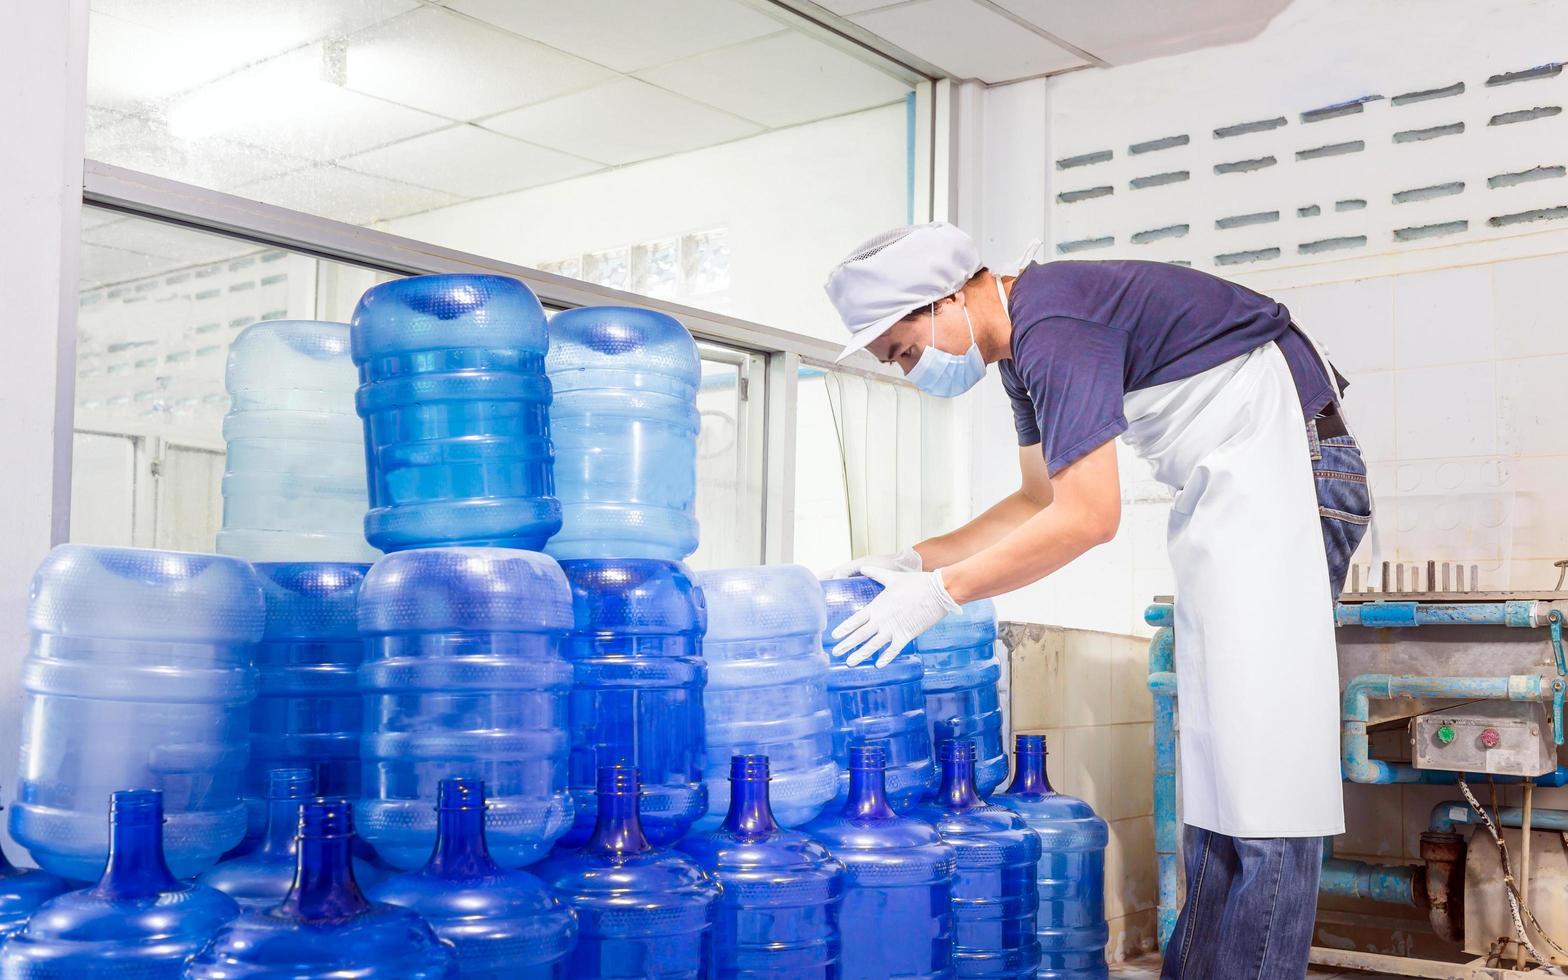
[907, 560]
[910, 604]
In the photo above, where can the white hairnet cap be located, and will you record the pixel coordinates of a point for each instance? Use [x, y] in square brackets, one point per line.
[889, 276]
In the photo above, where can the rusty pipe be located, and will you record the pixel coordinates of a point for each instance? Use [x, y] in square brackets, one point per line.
[1444, 855]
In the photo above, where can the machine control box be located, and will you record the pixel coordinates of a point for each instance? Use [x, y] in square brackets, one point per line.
[1504, 738]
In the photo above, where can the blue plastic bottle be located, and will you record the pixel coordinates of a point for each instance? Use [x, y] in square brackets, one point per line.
[641, 911]
[767, 687]
[325, 926]
[897, 918]
[139, 674]
[1072, 927]
[138, 922]
[307, 710]
[294, 474]
[778, 911]
[994, 893]
[624, 422]
[960, 684]
[881, 706]
[462, 676]
[638, 676]
[455, 401]
[504, 924]
[22, 890]
[260, 878]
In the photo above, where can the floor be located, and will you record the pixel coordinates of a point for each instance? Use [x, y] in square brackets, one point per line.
[1148, 968]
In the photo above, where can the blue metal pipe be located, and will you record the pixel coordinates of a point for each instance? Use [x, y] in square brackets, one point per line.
[1390, 883]
[1519, 613]
[1359, 767]
[1162, 683]
[1457, 813]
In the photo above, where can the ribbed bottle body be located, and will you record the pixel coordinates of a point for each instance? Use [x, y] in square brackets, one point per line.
[455, 404]
[308, 708]
[294, 472]
[139, 674]
[462, 676]
[637, 689]
[961, 675]
[767, 687]
[624, 422]
[881, 706]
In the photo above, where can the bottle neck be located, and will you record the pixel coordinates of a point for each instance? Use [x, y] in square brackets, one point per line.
[868, 795]
[958, 783]
[282, 824]
[1030, 778]
[751, 812]
[324, 886]
[461, 851]
[618, 830]
[136, 867]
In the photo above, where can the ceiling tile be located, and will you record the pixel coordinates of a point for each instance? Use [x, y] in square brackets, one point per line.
[626, 34]
[1120, 31]
[442, 62]
[346, 195]
[288, 105]
[622, 122]
[152, 49]
[144, 143]
[968, 40]
[780, 80]
[469, 162]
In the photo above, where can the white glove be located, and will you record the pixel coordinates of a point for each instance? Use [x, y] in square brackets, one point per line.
[910, 604]
[907, 560]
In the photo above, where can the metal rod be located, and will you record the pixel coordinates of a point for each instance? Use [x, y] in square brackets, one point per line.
[1524, 861]
[1431, 575]
[1387, 581]
[1447, 575]
[1355, 578]
[1399, 577]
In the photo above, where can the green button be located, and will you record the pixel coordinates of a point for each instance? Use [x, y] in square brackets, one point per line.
[1445, 734]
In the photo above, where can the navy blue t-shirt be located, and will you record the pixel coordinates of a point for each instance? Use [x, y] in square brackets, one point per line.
[1086, 333]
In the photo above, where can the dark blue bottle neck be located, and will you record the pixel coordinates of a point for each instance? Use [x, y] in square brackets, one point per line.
[751, 812]
[618, 830]
[136, 867]
[461, 850]
[1030, 779]
[958, 791]
[868, 795]
[324, 888]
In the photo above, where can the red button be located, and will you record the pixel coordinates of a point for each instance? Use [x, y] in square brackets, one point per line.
[1490, 738]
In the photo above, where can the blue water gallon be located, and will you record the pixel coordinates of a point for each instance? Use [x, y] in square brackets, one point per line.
[307, 711]
[994, 893]
[767, 687]
[139, 921]
[897, 914]
[504, 924]
[22, 890]
[778, 912]
[462, 676]
[456, 407]
[1072, 927]
[260, 877]
[637, 680]
[641, 911]
[294, 474]
[625, 424]
[325, 926]
[139, 674]
[962, 672]
[881, 706]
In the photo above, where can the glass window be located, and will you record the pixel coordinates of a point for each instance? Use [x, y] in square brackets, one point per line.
[709, 151]
[729, 459]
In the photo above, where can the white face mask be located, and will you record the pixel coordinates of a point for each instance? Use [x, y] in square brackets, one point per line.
[948, 375]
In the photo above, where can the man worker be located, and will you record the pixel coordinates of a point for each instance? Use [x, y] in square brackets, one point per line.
[1234, 407]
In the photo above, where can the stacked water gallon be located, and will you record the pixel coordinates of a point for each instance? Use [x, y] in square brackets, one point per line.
[294, 482]
[880, 706]
[961, 674]
[767, 687]
[624, 421]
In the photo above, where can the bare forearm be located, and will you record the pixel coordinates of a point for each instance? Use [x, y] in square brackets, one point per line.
[994, 524]
[1041, 545]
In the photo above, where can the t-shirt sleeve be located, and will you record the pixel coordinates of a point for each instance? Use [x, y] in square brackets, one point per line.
[1075, 374]
[1023, 406]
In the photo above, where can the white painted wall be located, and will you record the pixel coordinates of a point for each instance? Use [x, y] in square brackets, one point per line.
[1455, 345]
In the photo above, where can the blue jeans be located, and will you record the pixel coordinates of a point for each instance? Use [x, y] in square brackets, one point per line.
[1252, 901]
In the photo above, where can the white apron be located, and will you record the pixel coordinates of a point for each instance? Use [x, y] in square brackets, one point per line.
[1256, 669]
